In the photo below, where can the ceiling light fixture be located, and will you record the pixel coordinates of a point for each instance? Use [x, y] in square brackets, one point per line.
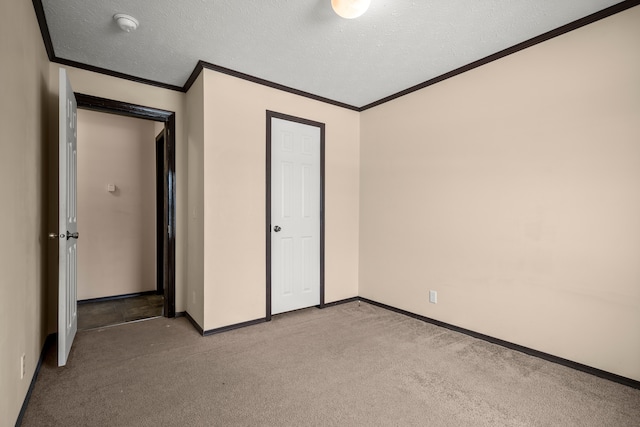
[126, 22]
[350, 8]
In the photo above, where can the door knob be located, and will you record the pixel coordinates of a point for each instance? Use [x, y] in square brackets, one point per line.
[54, 236]
[277, 228]
[72, 235]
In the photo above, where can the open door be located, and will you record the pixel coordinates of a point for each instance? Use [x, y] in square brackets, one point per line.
[68, 221]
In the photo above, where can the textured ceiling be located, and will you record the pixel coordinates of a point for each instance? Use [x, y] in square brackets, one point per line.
[303, 44]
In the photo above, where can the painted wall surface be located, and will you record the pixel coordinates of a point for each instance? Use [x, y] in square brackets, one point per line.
[104, 86]
[23, 171]
[234, 195]
[512, 190]
[157, 128]
[117, 250]
[195, 250]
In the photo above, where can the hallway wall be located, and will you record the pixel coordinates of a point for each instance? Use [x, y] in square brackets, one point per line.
[195, 251]
[117, 249]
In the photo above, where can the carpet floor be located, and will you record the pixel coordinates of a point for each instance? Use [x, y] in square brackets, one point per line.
[348, 365]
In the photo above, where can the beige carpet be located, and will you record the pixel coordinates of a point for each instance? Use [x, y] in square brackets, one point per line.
[348, 365]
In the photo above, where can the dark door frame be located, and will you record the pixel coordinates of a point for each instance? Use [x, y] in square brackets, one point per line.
[275, 115]
[160, 209]
[166, 207]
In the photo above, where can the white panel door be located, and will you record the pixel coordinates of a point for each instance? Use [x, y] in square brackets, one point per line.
[295, 215]
[68, 221]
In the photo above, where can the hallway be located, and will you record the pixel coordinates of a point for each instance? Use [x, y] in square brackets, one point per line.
[92, 315]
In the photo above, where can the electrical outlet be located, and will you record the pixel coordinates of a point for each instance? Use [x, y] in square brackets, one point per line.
[433, 297]
[23, 368]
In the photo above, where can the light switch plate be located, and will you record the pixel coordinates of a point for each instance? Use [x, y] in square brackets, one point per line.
[433, 297]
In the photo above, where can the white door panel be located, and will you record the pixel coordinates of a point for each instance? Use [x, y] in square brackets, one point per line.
[68, 221]
[295, 210]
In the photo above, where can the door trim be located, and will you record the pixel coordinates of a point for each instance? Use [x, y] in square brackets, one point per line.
[275, 115]
[160, 209]
[104, 105]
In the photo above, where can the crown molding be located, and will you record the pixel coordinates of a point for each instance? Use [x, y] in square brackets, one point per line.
[605, 13]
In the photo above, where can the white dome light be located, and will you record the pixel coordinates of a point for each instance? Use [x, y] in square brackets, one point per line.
[350, 8]
[126, 22]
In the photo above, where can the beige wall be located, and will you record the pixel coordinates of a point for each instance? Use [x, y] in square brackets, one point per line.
[512, 190]
[195, 251]
[90, 83]
[234, 195]
[117, 250]
[157, 128]
[23, 172]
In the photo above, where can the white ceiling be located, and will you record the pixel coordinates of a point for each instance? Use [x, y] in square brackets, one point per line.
[303, 44]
